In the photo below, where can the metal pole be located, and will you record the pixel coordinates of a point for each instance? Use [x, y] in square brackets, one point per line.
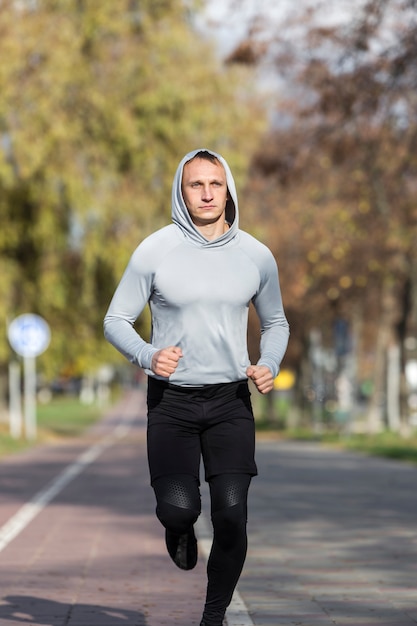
[15, 400]
[30, 396]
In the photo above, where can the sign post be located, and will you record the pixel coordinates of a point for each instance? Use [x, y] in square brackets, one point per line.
[15, 401]
[29, 335]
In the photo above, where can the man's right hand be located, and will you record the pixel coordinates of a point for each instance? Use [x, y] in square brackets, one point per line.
[165, 361]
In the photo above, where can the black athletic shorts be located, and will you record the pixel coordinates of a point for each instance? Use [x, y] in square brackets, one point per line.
[214, 422]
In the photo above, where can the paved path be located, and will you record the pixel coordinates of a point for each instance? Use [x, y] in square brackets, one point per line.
[333, 538]
[95, 556]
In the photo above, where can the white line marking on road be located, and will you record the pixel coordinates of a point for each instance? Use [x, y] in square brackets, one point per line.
[22, 518]
[237, 613]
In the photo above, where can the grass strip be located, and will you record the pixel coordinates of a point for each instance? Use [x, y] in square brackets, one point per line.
[62, 417]
[385, 444]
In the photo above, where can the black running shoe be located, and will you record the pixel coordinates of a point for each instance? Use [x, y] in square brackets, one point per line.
[182, 549]
[213, 618]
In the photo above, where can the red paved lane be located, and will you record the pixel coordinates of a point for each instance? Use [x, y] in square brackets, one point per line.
[95, 555]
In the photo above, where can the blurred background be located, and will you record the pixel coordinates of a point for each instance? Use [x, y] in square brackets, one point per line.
[314, 105]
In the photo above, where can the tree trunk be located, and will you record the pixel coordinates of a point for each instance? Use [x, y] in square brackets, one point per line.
[394, 387]
[385, 338]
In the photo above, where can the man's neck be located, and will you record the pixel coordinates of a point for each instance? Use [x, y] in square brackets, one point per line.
[213, 231]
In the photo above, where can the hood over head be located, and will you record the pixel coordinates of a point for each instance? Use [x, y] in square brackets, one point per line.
[181, 216]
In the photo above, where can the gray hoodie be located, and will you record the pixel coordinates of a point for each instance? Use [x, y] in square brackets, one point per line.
[199, 293]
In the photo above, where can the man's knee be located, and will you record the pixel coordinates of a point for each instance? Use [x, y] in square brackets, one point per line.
[229, 524]
[178, 502]
[177, 519]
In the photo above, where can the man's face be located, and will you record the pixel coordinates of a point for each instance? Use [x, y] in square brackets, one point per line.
[204, 189]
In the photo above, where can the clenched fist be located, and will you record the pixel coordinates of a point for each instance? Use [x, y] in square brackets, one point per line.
[165, 361]
[262, 377]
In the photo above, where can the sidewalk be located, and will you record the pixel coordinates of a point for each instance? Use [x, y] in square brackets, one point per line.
[95, 556]
[332, 538]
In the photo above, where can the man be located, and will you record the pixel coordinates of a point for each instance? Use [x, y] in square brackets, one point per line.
[198, 276]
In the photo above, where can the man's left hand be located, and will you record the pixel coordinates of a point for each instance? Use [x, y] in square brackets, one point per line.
[262, 377]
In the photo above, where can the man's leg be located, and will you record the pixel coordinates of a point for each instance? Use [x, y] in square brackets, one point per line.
[174, 463]
[229, 516]
[178, 507]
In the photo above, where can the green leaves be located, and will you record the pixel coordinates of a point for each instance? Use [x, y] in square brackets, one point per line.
[98, 103]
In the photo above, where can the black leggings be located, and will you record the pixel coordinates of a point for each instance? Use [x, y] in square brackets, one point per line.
[178, 507]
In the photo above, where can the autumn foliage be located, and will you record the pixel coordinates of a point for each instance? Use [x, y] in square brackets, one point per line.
[98, 103]
[334, 190]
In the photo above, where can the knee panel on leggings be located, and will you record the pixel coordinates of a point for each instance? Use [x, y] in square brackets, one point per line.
[228, 490]
[178, 502]
[229, 508]
[229, 526]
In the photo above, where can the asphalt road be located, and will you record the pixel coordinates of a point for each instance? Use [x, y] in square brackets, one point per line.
[333, 537]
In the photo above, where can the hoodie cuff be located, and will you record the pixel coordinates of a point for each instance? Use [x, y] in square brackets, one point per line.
[270, 364]
[144, 356]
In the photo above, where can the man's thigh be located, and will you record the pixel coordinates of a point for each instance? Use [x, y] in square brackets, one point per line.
[173, 435]
[229, 448]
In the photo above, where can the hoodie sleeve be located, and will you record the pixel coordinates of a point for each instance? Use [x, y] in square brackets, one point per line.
[269, 307]
[128, 302]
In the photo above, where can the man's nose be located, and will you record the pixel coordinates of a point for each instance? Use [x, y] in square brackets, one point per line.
[207, 193]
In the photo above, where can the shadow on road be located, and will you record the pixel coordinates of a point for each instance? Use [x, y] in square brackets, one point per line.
[30, 610]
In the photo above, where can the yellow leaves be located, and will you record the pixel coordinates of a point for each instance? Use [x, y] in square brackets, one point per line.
[374, 265]
[344, 215]
[333, 293]
[361, 280]
[98, 102]
[315, 192]
[345, 282]
[313, 256]
[359, 175]
[338, 252]
[325, 251]
[364, 206]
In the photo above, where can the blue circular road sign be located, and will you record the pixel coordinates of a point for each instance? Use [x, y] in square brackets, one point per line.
[29, 335]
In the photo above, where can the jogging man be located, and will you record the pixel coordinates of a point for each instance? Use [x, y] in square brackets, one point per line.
[198, 275]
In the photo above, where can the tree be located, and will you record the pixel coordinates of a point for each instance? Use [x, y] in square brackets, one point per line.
[341, 166]
[98, 102]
